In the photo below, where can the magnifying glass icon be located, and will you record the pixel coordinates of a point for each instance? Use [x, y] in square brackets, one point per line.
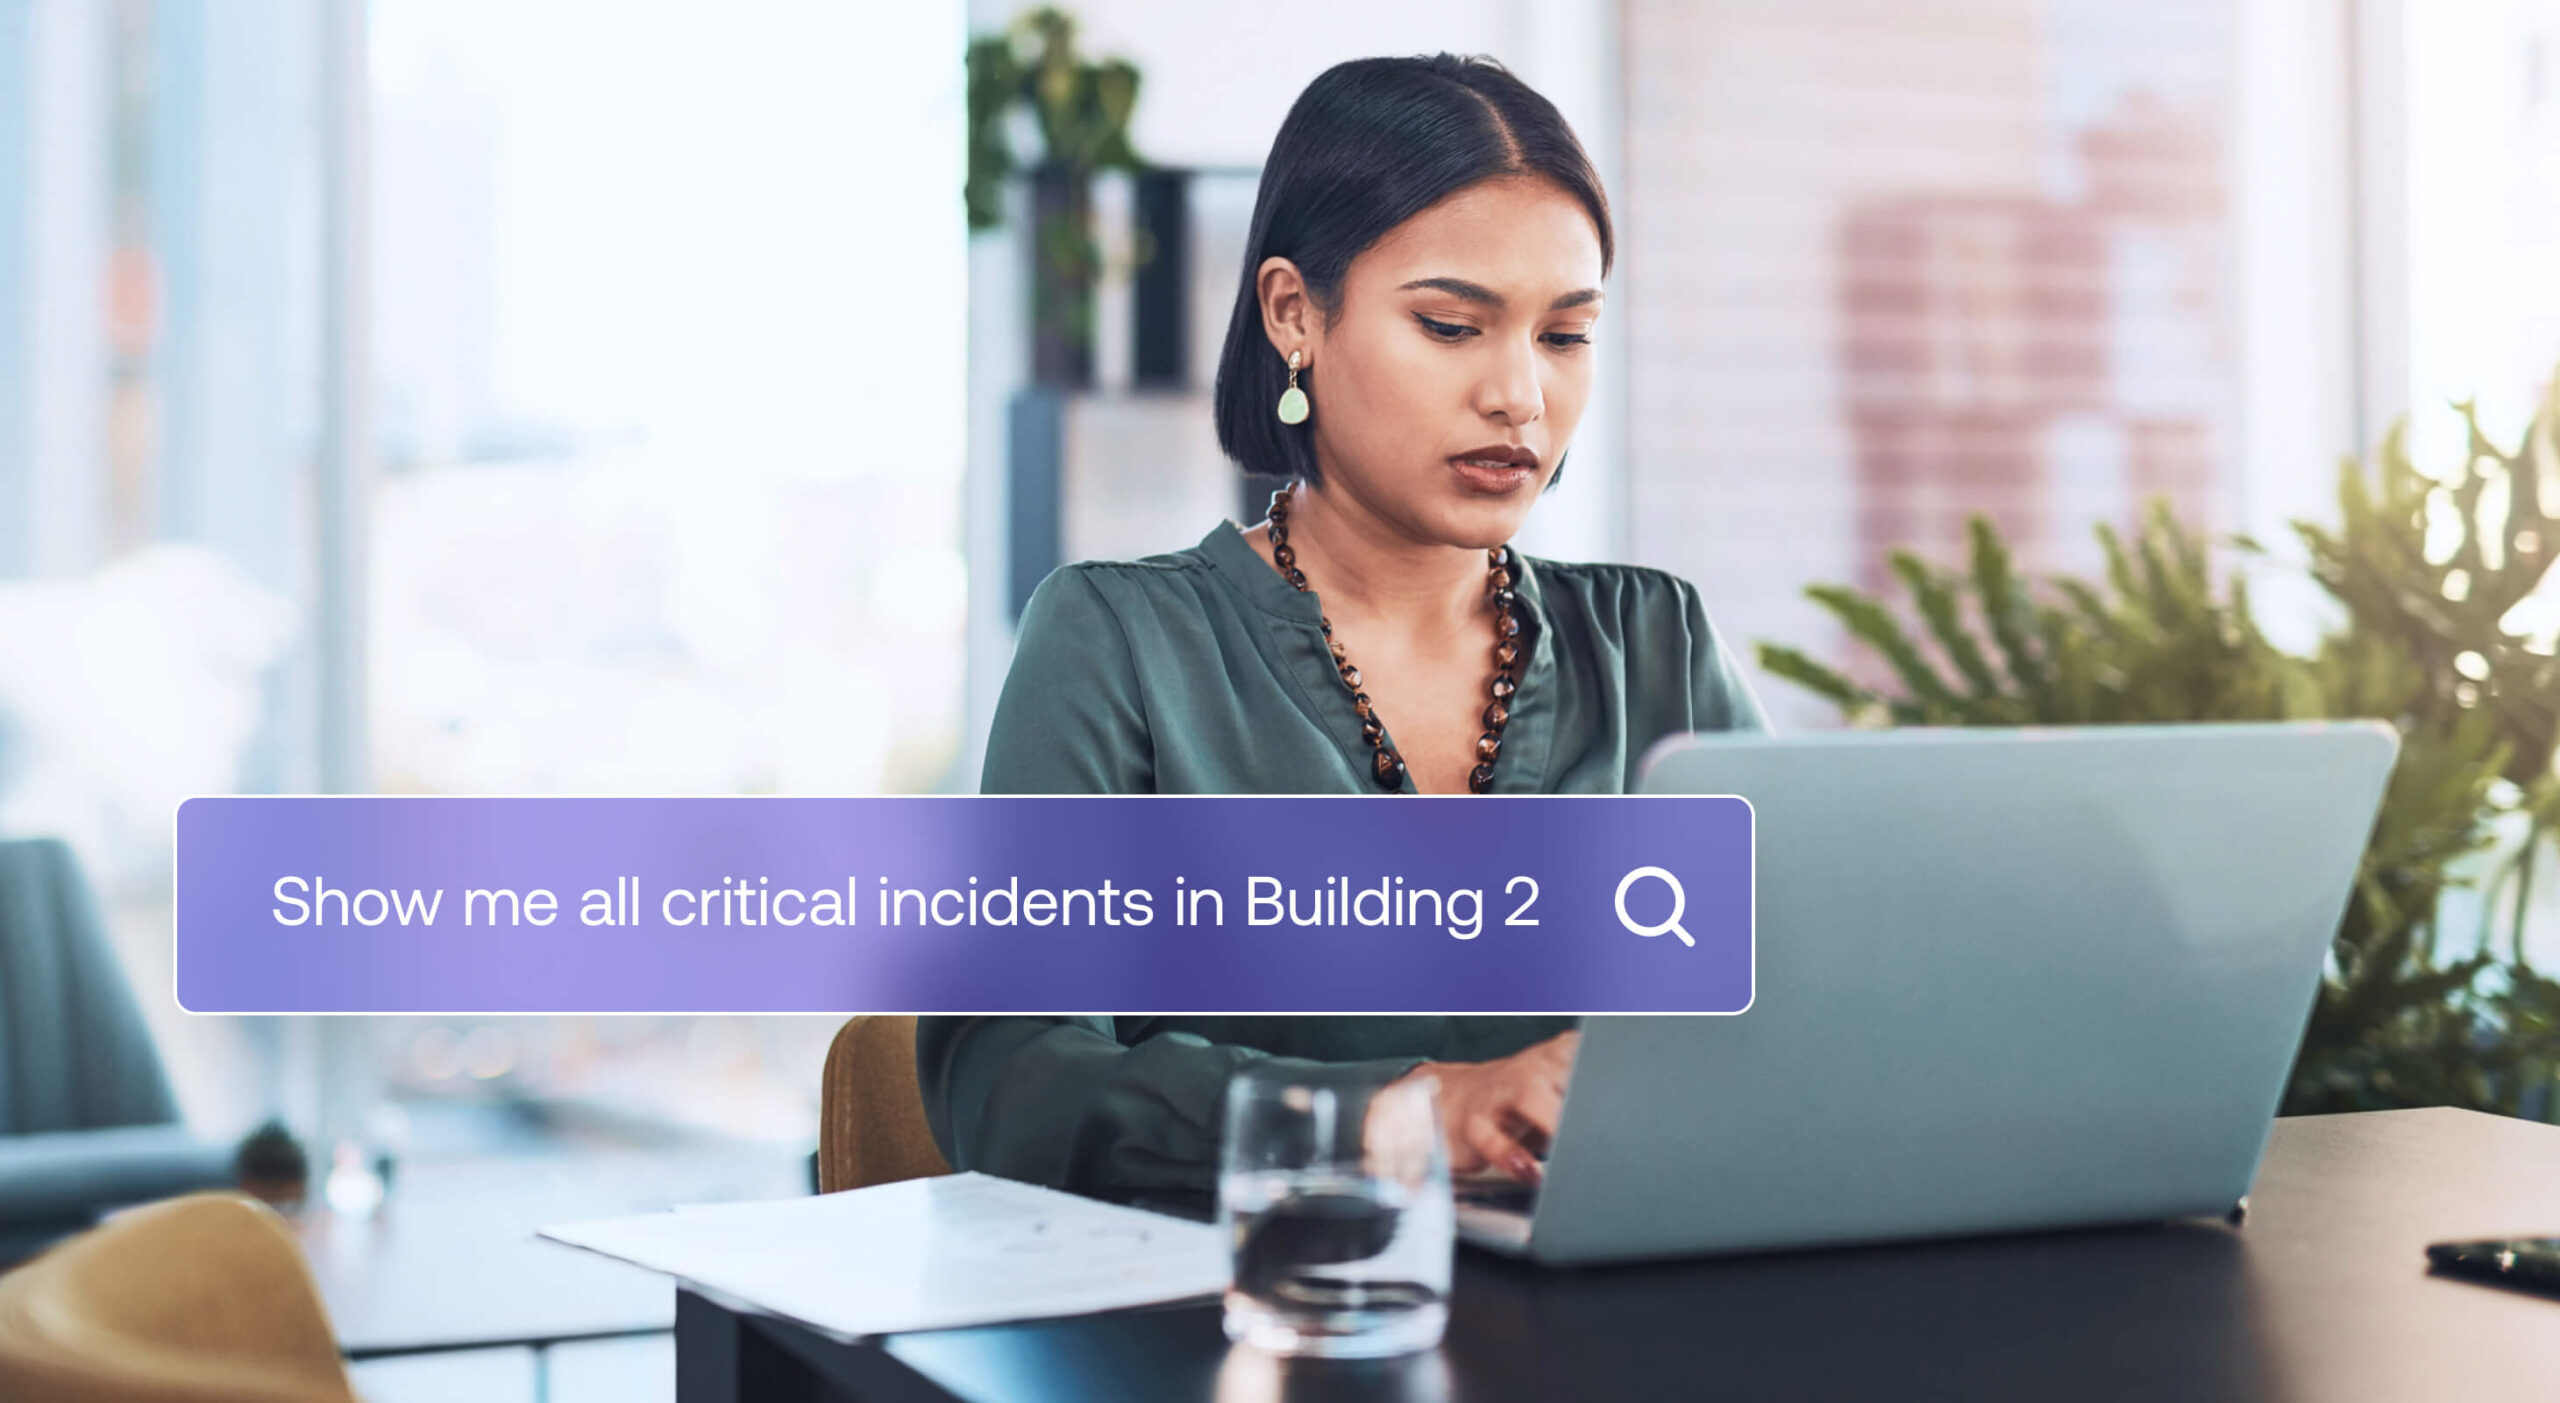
[1679, 906]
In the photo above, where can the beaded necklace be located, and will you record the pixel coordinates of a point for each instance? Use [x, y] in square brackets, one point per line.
[1386, 766]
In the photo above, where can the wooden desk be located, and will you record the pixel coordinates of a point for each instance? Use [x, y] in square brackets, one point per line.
[2323, 1294]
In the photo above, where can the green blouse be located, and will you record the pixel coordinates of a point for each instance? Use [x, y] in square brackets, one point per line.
[1203, 672]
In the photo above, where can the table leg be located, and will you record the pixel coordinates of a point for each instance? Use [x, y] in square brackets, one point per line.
[708, 1341]
[723, 1356]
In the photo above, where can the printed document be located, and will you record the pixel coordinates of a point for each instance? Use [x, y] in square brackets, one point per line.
[924, 1254]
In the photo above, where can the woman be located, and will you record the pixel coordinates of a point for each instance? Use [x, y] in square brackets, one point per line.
[1410, 348]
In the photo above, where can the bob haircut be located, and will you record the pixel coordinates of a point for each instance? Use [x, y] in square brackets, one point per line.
[1371, 143]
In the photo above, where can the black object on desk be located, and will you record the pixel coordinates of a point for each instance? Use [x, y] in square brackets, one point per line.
[2322, 1295]
[2526, 1263]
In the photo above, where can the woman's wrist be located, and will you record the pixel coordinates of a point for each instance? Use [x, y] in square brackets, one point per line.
[1419, 1071]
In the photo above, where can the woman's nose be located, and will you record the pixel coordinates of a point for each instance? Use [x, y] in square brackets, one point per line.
[1510, 388]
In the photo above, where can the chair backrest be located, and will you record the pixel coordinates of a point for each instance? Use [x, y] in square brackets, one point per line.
[200, 1299]
[74, 1053]
[871, 1125]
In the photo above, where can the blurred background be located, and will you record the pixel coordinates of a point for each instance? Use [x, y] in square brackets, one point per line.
[563, 397]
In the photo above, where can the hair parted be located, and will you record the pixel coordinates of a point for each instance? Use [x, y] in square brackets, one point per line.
[1369, 144]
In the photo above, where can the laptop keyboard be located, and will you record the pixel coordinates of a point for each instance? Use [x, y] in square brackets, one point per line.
[1508, 1195]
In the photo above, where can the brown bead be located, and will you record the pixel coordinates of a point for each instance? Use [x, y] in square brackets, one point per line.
[1386, 766]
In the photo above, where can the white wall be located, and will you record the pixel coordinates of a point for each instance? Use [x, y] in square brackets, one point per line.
[2297, 290]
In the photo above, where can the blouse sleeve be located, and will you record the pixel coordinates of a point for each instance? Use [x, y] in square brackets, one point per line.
[1720, 693]
[1070, 719]
[1062, 1102]
[1055, 1100]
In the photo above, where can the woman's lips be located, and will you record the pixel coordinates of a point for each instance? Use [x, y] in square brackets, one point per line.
[1486, 476]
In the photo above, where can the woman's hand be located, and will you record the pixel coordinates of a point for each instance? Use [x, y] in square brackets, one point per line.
[1498, 1115]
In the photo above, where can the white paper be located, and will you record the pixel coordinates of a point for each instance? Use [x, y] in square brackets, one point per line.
[924, 1254]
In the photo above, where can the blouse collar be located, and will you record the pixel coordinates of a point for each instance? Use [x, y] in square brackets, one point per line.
[1527, 740]
[1226, 548]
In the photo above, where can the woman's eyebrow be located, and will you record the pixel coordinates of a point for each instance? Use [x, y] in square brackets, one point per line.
[1477, 292]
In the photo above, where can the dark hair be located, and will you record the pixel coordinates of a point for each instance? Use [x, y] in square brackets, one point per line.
[1371, 143]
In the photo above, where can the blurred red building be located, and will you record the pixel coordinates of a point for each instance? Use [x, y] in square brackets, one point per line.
[1978, 335]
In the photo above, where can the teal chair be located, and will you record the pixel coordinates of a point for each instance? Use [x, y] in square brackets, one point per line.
[87, 1121]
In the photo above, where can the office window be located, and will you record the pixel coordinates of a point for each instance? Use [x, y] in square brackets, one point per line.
[669, 313]
[1889, 265]
[161, 305]
[2481, 98]
[668, 351]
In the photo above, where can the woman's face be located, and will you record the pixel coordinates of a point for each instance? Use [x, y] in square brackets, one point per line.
[1464, 330]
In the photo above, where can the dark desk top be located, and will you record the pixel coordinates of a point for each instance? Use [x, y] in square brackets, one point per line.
[2323, 1294]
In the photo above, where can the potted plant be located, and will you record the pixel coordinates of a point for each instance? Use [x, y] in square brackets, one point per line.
[2427, 571]
[1081, 109]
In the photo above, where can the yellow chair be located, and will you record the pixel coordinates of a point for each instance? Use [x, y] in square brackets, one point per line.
[871, 1125]
[201, 1299]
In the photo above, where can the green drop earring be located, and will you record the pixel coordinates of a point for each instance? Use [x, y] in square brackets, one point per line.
[1293, 401]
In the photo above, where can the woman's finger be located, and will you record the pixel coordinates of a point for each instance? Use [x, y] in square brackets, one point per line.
[1459, 1114]
[1500, 1151]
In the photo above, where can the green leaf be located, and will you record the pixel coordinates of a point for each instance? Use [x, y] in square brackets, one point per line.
[2005, 607]
[1797, 667]
[1873, 625]
[1935, 596]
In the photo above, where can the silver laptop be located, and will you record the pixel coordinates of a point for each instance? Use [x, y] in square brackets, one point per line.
[2007, 979]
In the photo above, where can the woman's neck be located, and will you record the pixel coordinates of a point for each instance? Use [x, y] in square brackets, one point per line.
[1365, 568]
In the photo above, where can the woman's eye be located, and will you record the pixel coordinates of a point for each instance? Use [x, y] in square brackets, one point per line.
[1451, 331]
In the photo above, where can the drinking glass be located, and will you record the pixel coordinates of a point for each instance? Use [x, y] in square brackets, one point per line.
[1333, 1190]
